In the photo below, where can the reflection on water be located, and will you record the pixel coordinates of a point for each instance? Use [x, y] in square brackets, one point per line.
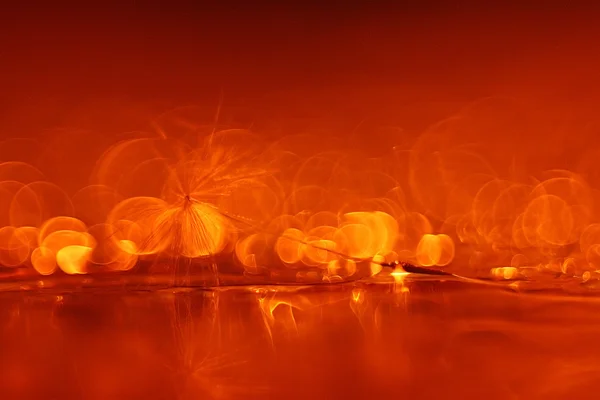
[399, 337]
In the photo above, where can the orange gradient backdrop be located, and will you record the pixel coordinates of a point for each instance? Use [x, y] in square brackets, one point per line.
[458, 139]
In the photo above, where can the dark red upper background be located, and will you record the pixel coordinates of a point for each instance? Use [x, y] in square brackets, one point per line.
[60, 54]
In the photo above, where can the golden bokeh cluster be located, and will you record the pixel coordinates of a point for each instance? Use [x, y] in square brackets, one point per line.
[476, 194]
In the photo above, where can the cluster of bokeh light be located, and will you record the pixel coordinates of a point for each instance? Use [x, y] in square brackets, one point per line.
[462, 196]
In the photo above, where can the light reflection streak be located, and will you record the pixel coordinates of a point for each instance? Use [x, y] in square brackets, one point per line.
[256, 341]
